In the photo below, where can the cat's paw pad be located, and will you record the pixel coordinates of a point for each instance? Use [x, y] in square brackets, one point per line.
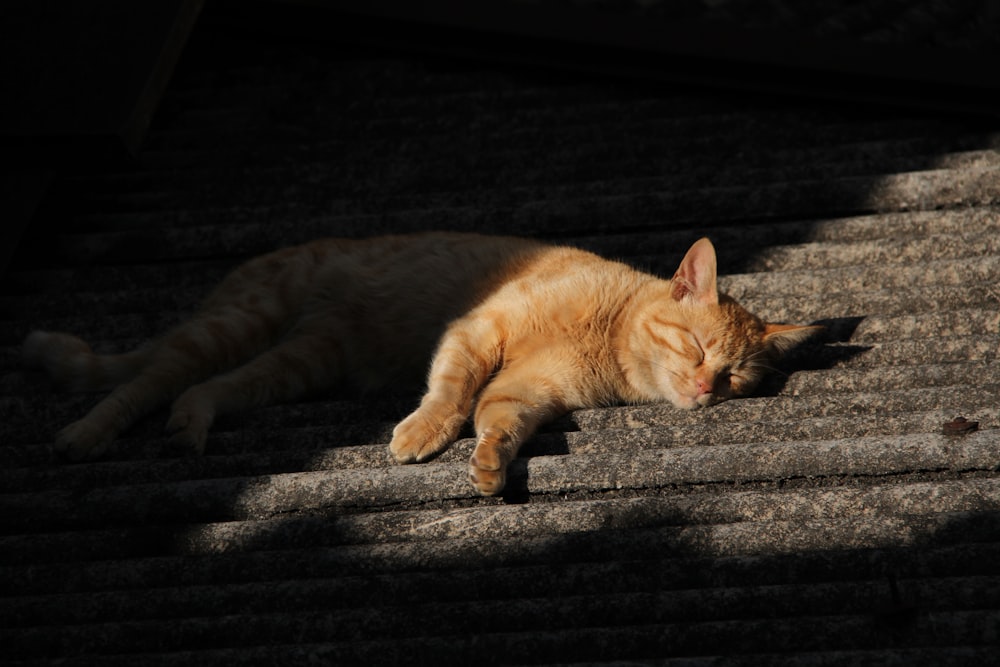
[487, 469]
[486, 482]
[188, 439]
[188, 426]
[83, 441]
[426, 432]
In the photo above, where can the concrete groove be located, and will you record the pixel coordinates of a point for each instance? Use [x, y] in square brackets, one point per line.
[598, 467]
[760, 510]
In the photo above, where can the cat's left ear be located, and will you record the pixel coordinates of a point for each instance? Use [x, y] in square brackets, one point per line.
[695, 278]
[783, 337]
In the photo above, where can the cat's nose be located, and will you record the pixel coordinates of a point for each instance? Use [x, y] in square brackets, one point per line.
[705, 386]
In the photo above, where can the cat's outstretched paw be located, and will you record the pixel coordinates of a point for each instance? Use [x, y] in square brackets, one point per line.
[190, 420]
[487, 468]
[426, 432]
[83, 441]
[187, 439]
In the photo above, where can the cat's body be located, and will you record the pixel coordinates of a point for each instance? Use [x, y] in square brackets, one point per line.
[519, 330]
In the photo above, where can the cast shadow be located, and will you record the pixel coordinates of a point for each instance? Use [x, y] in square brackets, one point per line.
[827, 349]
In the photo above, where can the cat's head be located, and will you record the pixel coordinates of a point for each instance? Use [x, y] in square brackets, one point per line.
[696, 347]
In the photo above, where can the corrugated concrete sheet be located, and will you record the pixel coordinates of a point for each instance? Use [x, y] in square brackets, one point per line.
[833, 519]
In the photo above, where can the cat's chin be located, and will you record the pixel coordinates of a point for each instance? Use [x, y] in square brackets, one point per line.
[686, 402]
[696, 402]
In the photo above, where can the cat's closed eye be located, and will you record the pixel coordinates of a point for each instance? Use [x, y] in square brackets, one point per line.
[738, 384]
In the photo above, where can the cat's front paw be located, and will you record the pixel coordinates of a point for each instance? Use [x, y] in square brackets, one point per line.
[190, 420]
[426, 432]
[83, 441]
[487, 467]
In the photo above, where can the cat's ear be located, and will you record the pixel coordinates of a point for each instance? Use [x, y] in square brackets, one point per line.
[695, 278]
[783, 337]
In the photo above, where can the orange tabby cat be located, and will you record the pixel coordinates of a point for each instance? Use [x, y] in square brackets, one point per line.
[523, 331]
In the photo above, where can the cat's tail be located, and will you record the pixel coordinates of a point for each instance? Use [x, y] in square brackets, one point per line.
[69, 361]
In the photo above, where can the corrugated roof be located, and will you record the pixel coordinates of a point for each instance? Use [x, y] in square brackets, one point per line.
[829, 520]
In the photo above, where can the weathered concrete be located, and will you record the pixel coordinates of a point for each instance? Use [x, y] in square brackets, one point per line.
[828, 520]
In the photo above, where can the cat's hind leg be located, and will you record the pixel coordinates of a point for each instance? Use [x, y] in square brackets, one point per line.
[188, 354]
[92, 436]
[301, 364]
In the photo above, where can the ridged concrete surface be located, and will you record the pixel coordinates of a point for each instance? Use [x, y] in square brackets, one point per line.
[828, 520]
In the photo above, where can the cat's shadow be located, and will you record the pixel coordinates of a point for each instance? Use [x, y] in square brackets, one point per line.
[828, 349]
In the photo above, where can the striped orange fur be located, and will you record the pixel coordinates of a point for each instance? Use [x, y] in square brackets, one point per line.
[517, 332]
